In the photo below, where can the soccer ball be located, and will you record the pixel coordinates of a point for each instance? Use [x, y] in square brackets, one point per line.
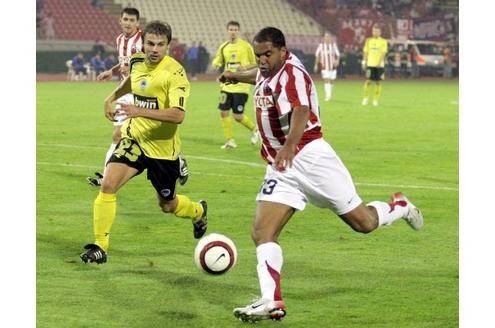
[215, 254]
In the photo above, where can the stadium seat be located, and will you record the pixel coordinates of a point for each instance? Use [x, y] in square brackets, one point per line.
[206, 20]
[79, 20]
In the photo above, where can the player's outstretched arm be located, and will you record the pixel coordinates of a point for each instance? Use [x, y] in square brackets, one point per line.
[170, 115]
[244, 76]
[123, 89]
[107, 75]
[285, 156]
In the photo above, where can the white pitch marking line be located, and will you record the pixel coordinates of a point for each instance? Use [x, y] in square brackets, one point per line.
[243, 176]
[205, 158]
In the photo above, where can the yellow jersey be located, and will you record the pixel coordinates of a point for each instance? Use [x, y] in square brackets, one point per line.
[374, 51]
[231, 56]
[157, 87]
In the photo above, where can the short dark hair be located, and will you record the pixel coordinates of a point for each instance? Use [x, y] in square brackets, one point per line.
[272, 34]
[158, 28]
[130, 11]
[234, 23]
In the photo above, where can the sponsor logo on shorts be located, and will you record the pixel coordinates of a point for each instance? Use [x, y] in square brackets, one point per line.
[165, 192]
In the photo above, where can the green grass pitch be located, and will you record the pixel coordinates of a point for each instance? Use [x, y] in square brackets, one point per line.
[332, 276]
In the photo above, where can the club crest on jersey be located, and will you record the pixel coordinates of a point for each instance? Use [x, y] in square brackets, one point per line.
[143, 84]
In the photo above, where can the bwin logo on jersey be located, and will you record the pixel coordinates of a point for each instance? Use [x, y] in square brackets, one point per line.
[146, 102]
[143, 84]
[165, 192]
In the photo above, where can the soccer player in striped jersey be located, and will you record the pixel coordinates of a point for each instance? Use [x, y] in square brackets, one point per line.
[327, 57]
[150, 139]
[374, 52]
[233, 55]
[301, 167]
[128, 43]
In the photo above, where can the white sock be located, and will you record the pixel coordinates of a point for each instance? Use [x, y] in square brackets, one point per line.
[270, 262]
[388, 213]
[328, 90]
[108, 155]
[331, 90]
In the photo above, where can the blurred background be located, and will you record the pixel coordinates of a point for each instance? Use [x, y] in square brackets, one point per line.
[422, 34]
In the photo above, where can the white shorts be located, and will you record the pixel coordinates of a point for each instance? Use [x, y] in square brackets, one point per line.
[317, 176]
[329, 74]
[125, 99]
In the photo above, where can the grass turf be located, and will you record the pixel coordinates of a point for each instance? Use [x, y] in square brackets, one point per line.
[332, 276]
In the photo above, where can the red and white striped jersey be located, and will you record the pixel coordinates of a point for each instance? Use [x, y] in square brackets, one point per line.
[326, 54]
[126, 47]
[276, 97]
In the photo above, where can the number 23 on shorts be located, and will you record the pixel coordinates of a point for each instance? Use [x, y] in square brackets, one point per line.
[268, 186]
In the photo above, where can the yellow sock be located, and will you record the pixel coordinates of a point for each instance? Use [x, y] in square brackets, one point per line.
[187, 209]
[227, 127]
[104, 210]
[246, 121]
[378, 92]
[366, 90]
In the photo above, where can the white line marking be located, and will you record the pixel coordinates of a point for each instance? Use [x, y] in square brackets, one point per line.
[405, 186]
[204, 158]
[244, 177]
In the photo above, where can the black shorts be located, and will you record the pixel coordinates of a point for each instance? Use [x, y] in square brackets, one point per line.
[375, 73]
[162, 173]
[229, 100]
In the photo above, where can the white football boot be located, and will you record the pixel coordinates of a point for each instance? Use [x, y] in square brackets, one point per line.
[255, 137]
[229, 144]
[364, 102]
[414, 217]
[261, 309]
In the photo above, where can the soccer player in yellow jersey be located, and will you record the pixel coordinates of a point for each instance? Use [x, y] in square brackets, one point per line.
[150, 139]
[233, 55]
[374, 52]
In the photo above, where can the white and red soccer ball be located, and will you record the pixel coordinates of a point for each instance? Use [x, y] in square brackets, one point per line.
[215, 254]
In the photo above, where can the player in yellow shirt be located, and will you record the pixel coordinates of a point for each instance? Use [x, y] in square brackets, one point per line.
[233, 55]
[150, 139]
[374, 52]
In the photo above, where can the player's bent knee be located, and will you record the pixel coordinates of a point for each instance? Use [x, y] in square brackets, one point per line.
[108, 187]
[361, 219]
[166, 207]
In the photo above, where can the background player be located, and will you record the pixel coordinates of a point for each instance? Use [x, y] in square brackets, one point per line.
[302, 167]
[128, 43]
[150, 139]
[327, 57]
[234, 54]
[374, 52]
